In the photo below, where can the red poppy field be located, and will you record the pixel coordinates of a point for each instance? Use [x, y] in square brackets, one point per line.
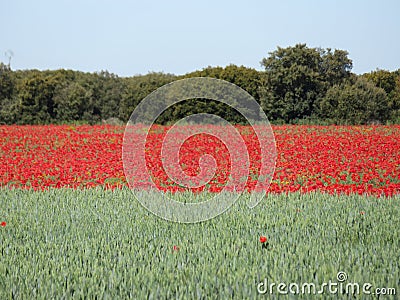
[332, 159]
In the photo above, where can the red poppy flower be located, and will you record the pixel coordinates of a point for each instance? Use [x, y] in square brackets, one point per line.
[362, 212]
[176, 248]
[263, 239]
[3, 224]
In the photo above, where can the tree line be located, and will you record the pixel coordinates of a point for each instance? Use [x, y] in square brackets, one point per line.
[299, 85]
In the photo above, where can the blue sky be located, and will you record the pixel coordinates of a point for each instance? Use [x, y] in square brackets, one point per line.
[137, 37]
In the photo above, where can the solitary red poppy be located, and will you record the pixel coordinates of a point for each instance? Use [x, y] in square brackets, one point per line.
[362, 212]
[263, 239]
[176, 248]
[3, 224]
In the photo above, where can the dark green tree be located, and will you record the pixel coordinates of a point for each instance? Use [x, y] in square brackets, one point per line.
[394, 102]
[383, 79]
[360, 102]
[247, 78]
[7, 92]
[335, 66]
[35, 100]
[7, 82]
[137, 88]
[72, 102]
[297, 77]
[107, 89]
[390, 82]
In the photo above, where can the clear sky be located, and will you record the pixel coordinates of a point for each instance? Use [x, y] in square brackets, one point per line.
[129, 37]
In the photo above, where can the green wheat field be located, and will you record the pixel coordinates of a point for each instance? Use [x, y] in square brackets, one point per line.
[102, 244]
